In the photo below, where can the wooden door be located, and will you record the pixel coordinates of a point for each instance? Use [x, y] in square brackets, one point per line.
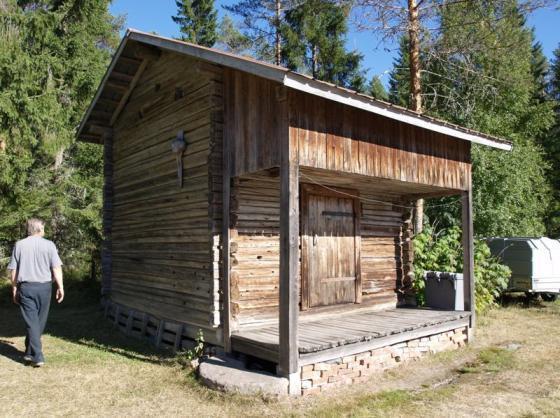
[330, 247]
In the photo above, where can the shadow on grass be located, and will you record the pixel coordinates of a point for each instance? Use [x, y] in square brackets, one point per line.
[79, 320]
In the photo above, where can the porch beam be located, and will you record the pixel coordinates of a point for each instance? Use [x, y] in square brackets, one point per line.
[289, 237]
[468, 254]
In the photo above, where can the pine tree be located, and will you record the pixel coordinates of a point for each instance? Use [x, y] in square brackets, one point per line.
[483, 79]
[377, 89]
[198, 21]
[313, 42]
[231, 39]
[262, 21]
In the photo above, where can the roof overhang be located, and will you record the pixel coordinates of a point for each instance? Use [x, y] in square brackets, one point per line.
[289, 79]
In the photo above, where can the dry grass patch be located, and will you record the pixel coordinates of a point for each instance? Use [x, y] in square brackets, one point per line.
[93, 370]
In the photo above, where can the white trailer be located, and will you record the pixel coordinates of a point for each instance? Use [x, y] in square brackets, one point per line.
[534, 264]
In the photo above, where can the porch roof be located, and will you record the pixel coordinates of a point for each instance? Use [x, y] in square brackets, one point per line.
[96, 121]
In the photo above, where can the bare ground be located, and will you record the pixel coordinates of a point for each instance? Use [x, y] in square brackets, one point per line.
[92, 370]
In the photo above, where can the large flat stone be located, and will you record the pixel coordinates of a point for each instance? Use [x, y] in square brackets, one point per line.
[230, 375]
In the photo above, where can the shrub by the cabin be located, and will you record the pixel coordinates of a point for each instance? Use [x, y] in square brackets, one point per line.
[442, 251]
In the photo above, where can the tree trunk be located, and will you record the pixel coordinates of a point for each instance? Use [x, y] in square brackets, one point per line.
[414, 52]
[415, 88]
[277, 46]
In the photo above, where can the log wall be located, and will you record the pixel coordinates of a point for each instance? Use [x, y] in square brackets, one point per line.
[255, 249]
[165, 236]
[255, 243]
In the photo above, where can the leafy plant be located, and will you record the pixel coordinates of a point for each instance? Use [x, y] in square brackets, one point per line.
[194, 354]
[442, 251]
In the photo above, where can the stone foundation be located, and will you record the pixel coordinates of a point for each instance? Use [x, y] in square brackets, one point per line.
[359, 367]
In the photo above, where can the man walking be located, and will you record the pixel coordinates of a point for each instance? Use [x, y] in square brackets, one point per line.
[34, 263]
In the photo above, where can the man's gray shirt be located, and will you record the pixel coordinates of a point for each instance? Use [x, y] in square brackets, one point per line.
[33, 258]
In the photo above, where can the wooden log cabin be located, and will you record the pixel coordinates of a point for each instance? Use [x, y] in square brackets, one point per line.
[269, 210]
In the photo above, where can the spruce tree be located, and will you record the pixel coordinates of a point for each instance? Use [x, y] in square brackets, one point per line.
[551, 144]
[197, 20]
[52, 57]
[399, 81]
[377, 90]
[313, 42]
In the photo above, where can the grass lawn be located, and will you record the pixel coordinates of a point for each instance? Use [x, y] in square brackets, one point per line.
[511, 370]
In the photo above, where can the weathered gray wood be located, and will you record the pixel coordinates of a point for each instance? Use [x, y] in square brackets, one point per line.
[225, 238]
[131, 85]
[178, 337]
[350, 332]
[289, 271]
[144, 324]
[129, 321]
[468, 254]
[159, 334]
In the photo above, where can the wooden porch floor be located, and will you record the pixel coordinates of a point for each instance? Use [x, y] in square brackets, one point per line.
[346, 333]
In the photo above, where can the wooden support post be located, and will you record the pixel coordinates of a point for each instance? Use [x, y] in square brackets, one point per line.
[226, 233]
[160, 331]
[106, 250]
[129, 321]
[289, 239]
[178, 337]
[468, 254]
[144, 324]
[117, 314]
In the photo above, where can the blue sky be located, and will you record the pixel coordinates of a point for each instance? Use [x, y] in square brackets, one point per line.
[155, 15]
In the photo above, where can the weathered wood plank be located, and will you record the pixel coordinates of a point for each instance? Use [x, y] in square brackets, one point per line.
[468, 255]
[289, 264]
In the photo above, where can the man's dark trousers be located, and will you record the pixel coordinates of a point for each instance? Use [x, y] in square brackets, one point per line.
[34, 300]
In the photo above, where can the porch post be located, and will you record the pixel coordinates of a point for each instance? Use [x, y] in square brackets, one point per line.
[468, 255]
[289, 238]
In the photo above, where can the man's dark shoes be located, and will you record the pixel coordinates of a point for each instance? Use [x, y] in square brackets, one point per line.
[38, 364]
[27, 358]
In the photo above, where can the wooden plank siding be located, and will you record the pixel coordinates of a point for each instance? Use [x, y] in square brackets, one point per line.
[334, 137]
[164, 236]
[258, 123]
[339, 138]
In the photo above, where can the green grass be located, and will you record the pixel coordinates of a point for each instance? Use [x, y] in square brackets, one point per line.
[94, 370]
[491, 359]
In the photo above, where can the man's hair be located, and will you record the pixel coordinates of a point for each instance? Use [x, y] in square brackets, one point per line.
[35, 226]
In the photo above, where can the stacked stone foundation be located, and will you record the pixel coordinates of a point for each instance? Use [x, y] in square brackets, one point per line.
[359, 367]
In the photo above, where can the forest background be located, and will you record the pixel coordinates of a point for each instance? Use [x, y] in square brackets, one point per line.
[479, 65]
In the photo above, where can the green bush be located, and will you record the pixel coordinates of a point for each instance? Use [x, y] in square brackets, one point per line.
[442, 251]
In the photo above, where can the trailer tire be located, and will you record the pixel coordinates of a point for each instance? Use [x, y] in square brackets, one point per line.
[549, 297]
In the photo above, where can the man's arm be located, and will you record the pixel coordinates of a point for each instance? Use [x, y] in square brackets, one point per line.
[57, 275]
[13, 279]
[13, 269]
